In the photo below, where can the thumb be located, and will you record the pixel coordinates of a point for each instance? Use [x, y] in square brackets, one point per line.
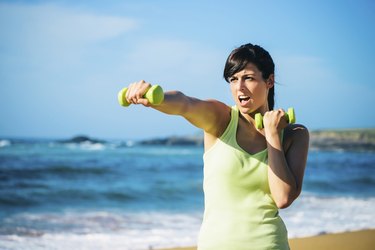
[144, 102]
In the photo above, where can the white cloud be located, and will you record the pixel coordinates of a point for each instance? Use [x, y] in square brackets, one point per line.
[46, 24]
[55, 39]
[49, 52]
[49, 43]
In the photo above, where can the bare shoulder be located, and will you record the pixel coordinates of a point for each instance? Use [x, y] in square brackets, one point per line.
[296, 134]
[223, 117]
[219, 115]
[219, 106]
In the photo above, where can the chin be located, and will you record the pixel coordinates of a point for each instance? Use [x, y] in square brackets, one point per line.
[245, 110]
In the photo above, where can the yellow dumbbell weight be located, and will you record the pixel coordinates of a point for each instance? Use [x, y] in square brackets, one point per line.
[155, 95]
[290, 116]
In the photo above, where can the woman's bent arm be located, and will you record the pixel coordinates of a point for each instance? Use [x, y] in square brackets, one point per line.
[287, 168]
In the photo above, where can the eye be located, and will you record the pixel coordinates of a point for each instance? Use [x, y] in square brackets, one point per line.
[249, 78]
[232, 79]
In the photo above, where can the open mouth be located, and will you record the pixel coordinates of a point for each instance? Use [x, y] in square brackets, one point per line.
[243, 99]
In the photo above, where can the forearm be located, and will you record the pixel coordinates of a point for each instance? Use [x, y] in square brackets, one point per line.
[282, 182]
[174, 103]
[210, 115]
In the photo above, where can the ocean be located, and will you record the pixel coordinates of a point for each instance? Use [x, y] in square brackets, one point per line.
[121, 195]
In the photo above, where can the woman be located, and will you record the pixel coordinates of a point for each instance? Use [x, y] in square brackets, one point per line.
[248, 173]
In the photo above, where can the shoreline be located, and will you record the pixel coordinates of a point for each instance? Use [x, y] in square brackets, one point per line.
[346, 140]
[355, 139]
[353, 240]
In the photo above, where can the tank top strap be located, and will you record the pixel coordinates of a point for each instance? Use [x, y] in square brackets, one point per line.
[231, 129]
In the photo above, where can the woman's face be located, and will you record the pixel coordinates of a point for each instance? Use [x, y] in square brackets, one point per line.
[250, 90]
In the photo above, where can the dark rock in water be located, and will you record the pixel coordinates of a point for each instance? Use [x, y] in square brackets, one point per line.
[82, 139]
[346, 140]
[175, 141]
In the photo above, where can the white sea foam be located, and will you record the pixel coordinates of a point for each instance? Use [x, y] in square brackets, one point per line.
[90, 146]
[309, 215]
[99, 241]
[4, 143]
[312, 215]
[104, 230]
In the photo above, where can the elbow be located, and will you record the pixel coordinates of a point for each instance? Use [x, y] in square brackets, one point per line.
[283, 203]
[287, 200]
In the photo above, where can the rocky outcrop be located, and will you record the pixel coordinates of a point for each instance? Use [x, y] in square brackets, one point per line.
[355, 139]
[350, 140]
[175, 141]
[81, 139]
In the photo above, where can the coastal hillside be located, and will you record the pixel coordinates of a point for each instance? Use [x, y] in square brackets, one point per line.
[349, 139]
[354, 139]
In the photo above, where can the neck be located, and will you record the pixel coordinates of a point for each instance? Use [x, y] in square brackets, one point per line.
[250, 116]
[248, 126]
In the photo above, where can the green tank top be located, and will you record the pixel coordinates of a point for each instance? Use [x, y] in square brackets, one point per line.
[240, 213]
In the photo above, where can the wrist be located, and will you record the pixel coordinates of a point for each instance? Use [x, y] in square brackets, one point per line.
[273, 137]
[271, 132]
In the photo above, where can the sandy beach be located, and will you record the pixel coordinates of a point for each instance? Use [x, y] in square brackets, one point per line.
[359, 240]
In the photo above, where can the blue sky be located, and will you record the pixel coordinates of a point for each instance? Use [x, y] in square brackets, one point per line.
[63, 62]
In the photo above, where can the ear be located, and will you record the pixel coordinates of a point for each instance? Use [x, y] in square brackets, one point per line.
[270, 81]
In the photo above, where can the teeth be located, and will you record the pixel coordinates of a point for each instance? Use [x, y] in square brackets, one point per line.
[243, 97]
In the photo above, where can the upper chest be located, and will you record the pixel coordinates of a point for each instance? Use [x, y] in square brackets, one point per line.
[248, 138]
[253, 141]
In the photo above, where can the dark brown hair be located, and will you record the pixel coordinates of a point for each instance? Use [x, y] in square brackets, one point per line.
[249, 53]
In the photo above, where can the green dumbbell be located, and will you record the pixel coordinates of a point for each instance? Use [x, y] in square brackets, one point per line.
[155, 95]
[290, 117]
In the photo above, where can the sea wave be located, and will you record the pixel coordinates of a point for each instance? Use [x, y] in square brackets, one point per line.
[109, 195]
[118, 229]
[86, 146]
[313, 215]
[4, 143]
[101, 230]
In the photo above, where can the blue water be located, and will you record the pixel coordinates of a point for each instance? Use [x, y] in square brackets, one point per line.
[45, 176]
[340, 174]
[136, 197]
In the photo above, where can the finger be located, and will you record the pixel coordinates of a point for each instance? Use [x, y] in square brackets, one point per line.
[129, 93]
[142, 89]
[136, 91]
[280, 113]
[143, 101]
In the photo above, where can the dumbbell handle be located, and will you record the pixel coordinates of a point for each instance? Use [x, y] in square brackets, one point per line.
[155, 95]
[290, 116]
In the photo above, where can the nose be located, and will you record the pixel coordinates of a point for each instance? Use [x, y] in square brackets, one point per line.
[240, 84]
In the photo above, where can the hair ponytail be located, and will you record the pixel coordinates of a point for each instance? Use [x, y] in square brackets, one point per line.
[271, 98]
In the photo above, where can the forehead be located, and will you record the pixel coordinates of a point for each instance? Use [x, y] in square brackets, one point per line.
[249, 69]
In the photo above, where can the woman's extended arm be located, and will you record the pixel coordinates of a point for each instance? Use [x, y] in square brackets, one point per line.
[210, 115]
